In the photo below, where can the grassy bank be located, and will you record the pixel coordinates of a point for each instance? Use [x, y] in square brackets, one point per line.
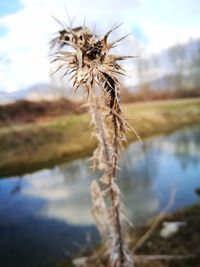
[31, 146]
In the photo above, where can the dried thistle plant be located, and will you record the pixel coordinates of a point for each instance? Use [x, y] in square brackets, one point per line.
[87, 59]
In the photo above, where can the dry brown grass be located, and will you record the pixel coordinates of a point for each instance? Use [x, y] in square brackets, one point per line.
[24, 111]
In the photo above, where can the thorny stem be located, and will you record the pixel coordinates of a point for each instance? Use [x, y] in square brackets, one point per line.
[101, 131]
[117, 215]
[95, 109]
[112, 176]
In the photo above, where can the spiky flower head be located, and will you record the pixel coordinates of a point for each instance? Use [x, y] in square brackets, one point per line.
[89, 61]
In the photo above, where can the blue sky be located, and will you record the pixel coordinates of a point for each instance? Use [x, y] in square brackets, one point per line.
[8, 7]
[26, 27]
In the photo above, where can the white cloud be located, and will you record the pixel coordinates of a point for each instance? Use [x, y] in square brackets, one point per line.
[164, 36]
[25, 46]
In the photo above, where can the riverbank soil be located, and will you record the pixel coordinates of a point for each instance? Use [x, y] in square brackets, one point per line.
[185, 242]
[181, 249]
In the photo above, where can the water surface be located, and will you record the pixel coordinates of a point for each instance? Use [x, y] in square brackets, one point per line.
[46, 216]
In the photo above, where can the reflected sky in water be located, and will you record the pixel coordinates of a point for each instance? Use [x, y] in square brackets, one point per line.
[50, 210]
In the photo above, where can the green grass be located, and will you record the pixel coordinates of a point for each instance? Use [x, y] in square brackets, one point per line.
[32, 146]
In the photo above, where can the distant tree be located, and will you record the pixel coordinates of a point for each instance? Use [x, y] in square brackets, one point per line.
[194, 66]
[178, 59]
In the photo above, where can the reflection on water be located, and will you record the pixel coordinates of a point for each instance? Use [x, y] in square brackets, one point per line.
[65, 190]
[151, 171]
[47, 214]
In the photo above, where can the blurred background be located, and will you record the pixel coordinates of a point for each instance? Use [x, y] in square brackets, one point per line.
[45, 141]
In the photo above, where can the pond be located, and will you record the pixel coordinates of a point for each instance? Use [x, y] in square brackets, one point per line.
[46, 216]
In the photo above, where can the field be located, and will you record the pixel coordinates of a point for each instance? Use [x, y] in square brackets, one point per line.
[27, 147]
